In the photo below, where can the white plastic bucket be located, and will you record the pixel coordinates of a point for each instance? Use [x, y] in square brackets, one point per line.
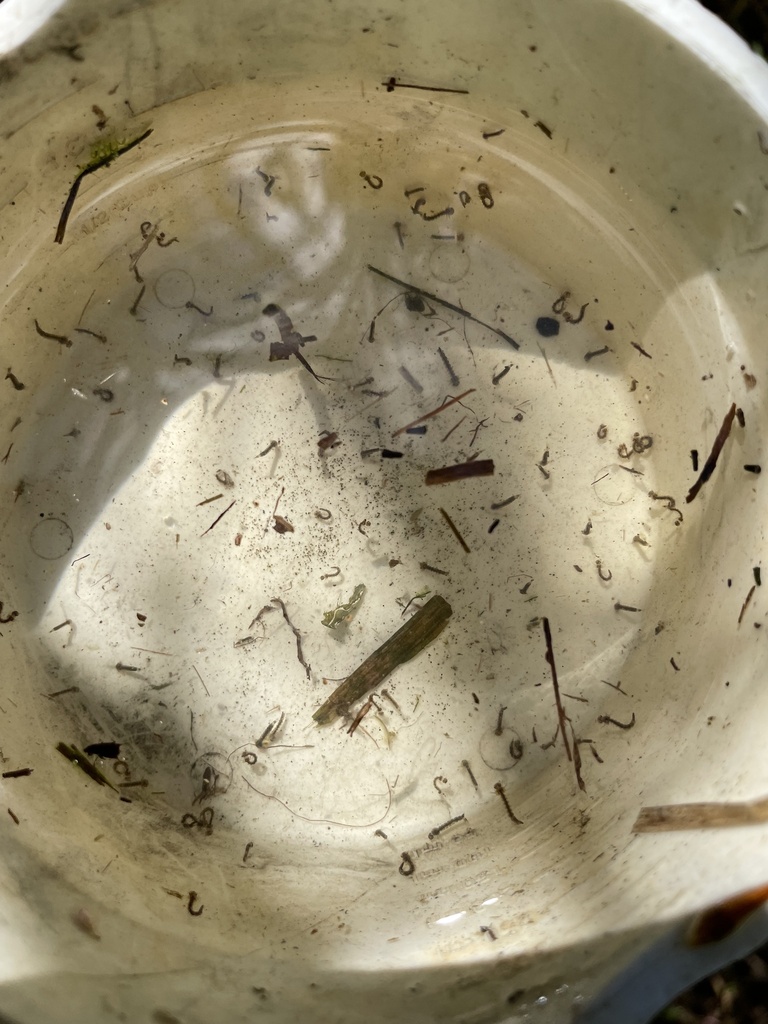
[555, 214]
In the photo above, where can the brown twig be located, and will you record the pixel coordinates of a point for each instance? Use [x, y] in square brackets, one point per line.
[408, 641]
[460, 471]
[102, 162]
[453, 428]
[681, 817]
[441, 408]
[550, 659]
[747, 600]
[216, 520]
[454, 530]
[717, 447]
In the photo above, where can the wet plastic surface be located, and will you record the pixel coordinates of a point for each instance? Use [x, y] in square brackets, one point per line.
[209, 394]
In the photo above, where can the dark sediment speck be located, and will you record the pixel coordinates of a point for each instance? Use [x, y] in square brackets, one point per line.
[547, 326]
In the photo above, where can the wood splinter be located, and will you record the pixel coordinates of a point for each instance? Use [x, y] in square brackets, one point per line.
[419, 631]
[717, 447]
[461, 471]
[682, 817]
[454, 530]
[441, 408]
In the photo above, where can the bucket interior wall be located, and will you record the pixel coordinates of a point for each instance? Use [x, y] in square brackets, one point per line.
[311, 286]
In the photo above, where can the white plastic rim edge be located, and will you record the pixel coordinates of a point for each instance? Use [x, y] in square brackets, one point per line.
[20, 19]
[710, 39]
[685, 20]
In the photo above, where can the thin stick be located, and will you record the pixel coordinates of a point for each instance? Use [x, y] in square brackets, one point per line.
[58, 693]
[362, 713]
[201, 679]
[546, 360]
[448, 305]
[747, 599]
[392, 83]
[229, 506]
[77, 757]
[420, 630]
[550, 659]
[717, 447]
[681, 817]
[446, 405]
[465, 765]
[274, 510]
[453, 428]
[577, 760]
[455, 530]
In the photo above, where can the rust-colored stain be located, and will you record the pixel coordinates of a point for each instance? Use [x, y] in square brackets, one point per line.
[718, 922]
